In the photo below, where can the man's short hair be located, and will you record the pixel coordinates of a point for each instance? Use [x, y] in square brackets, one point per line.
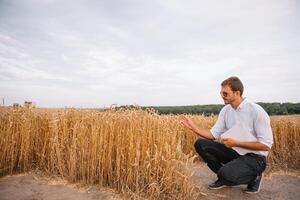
[234, 83]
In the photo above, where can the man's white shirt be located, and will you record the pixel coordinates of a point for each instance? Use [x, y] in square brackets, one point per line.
[248, 123]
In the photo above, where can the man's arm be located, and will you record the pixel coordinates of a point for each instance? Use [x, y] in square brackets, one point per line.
[230, 142]
[199, 131]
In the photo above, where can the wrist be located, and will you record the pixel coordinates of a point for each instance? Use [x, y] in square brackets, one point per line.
[236, 144]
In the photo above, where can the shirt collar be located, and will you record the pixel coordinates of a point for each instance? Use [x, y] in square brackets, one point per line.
[242, 104]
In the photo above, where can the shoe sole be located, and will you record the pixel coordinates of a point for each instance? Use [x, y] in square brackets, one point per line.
[217, 188]
[251, 192]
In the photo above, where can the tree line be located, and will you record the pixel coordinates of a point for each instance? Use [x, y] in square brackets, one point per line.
[207, 110]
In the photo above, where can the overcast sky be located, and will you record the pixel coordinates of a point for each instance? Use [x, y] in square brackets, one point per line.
[94, 53]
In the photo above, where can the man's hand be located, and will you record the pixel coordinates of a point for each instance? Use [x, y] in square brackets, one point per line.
[229, 142]
[186, 121]
[191, 125]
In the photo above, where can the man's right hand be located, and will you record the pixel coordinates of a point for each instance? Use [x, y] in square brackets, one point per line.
[186, 121]
[199, 131]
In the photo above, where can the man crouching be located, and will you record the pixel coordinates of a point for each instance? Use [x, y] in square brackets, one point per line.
[245, 134]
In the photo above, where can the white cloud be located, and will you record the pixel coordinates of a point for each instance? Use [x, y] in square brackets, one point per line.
[150, 53]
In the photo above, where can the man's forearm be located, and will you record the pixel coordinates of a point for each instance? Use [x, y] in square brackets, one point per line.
[253, 145]
[202, 132]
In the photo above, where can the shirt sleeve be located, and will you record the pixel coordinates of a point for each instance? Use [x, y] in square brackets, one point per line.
[262, 127]
[220, 126]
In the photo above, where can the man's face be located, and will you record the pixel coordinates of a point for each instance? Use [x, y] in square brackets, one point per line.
[228, 95]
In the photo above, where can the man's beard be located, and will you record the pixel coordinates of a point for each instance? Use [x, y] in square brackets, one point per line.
[226, 101]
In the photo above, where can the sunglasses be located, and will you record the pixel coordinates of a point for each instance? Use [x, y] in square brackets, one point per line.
[224, 94]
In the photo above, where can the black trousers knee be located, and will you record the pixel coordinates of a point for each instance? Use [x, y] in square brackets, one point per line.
[232, 168]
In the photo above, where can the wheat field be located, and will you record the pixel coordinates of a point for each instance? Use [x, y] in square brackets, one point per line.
[136, 152]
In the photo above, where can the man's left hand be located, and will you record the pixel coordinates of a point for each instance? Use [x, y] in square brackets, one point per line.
[229, 142]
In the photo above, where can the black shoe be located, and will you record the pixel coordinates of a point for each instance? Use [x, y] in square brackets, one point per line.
[218, 184]
[254, 186]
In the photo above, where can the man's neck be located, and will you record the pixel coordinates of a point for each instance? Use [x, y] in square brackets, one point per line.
[235, 104]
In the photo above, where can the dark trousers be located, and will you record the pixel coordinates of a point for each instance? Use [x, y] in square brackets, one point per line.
[230, 167]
